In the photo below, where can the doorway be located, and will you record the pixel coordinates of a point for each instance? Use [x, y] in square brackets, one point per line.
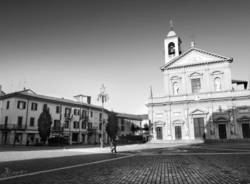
[159, 132]
[83, 138]
[222, 131]
[4, 137]
[246, 130]
[178, 132]
[75, 137]
[199, 128]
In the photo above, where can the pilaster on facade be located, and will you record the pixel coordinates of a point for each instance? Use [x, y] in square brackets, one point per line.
[202, 100]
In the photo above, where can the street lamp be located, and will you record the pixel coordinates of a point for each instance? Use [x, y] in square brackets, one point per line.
[103, 96]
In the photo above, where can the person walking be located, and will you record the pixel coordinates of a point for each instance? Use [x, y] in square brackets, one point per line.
[113, 145]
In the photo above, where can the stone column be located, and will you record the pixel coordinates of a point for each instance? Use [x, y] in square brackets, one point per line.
[24, 138]
[80, 137]
[70, 138]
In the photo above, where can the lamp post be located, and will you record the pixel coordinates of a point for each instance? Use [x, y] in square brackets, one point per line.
[103, 96]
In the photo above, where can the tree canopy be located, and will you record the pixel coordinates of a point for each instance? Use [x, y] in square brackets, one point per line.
[112, 126]
[134, 128]
[44, 124]
[146, 127]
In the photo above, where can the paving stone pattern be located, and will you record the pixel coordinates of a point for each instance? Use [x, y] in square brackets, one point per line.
[139, 170]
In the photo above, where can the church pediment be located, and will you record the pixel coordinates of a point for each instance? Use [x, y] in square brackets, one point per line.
[178, 122]
[194, 56]
[198, 112]
[159, 123]
[195, 74]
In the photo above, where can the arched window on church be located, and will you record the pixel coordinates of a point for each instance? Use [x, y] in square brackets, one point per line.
[171, 48]
[217, 84]
[176, 88]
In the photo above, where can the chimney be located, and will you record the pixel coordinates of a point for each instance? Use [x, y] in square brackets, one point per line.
[89, 99]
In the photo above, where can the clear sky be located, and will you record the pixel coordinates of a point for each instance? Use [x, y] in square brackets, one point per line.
[63, 48]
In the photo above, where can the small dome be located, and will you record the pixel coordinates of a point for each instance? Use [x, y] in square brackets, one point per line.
[171, 33]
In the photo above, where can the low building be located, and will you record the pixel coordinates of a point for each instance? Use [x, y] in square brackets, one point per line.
[131, 124]
[76, 121]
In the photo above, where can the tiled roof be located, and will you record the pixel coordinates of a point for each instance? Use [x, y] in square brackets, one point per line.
[28, 93]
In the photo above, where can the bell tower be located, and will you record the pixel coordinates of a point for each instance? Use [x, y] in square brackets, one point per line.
[172, 44]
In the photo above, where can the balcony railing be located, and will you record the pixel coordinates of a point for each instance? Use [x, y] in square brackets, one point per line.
[57, 129]
[91, 129]
[84, 118]
[200, 96]
[67, 115]
[12, 127]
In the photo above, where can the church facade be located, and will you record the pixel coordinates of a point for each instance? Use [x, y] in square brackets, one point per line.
[201, 100]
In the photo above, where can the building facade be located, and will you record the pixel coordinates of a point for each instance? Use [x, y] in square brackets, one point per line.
[76, 121]
[201, 100]
[131, 124]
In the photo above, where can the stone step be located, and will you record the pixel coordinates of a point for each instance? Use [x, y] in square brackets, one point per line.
[246, 140]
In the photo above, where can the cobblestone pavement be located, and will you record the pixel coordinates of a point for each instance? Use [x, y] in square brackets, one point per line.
[156, 166]
[28, 152]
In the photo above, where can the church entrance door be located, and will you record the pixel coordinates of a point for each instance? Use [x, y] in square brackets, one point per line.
[199, 128]
[246, 130]
[222, 131]
[178, 132]
[159, 132]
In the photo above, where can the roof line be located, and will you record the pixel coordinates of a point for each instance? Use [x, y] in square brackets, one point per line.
[224, 58]
[24, 93]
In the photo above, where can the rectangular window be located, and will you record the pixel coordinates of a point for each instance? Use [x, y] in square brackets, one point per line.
[6, 121]
[19, 121]
[76, 124]
[91, 114]
[57, 124]
[76, 112]
[122, 125]
[196, 85]
[45, 106]
[100, 126]
[8, 105]
[66, 124]
[32, 121]
[84, 114]
[122, 128]
[100, 116]
[67, 112]
[83, 125]
[18, 138]
[21, 104]
[57, 109]
[33, 106]
[89, 125]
